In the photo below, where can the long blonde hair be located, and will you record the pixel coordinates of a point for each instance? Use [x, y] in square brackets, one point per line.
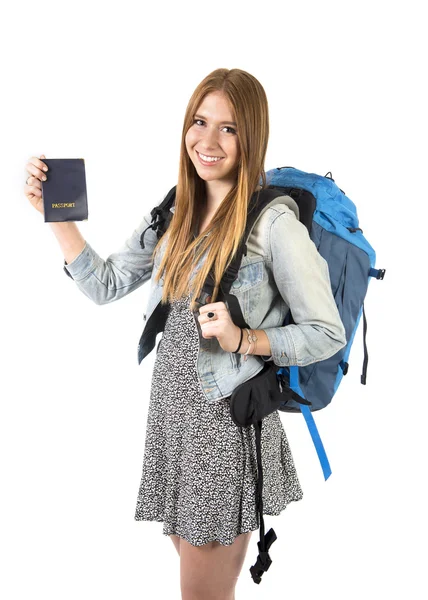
[249, 103]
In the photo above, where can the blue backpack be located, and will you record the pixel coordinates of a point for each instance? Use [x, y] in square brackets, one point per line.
[332, 221]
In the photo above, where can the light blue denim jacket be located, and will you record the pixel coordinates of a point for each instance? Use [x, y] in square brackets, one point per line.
[282, 270]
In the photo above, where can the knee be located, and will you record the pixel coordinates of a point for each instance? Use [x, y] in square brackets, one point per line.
[203, 590]
[207, 584]
[211, 571]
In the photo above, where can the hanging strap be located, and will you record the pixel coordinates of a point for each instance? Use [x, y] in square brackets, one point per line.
[378, 274]
[310, 422]
[263, 561]
[366, 355]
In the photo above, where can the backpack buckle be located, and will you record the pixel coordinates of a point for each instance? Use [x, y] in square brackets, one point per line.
[263, 563]
[378, 273]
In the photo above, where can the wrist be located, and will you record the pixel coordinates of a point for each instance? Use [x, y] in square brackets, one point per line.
[249, 346]
[240, 336]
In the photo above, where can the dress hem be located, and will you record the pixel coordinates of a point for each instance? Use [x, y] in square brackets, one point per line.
[223, 542]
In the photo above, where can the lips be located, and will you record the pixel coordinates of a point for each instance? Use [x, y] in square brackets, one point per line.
[209, 164]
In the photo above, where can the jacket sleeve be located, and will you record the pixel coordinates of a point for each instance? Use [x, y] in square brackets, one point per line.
[124, 271]
[303, 280]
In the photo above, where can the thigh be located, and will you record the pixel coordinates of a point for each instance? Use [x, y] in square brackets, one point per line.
[176, 542]
[212, 570]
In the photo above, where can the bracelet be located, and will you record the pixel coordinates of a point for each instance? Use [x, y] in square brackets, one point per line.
[240, 341]
[251, 338]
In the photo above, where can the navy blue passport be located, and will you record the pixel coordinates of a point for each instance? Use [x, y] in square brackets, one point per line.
[64, 193]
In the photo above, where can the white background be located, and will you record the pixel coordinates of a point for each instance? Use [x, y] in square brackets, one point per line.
[110, 82]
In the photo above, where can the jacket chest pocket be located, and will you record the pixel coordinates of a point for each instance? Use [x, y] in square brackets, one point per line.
[249, 276]
[248, 287]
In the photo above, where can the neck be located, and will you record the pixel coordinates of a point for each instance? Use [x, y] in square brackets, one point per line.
[211, 202]
[216, 192]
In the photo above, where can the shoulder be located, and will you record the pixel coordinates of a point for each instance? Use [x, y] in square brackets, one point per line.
[285, 216]
[282, 210]
[278, 206]
[287, 236]
[276, 222]
[282, 219]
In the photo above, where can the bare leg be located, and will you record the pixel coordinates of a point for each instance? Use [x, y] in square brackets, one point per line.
[176, 542]
[211, 571]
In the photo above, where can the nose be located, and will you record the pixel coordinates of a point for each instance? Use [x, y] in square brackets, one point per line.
[210, 139]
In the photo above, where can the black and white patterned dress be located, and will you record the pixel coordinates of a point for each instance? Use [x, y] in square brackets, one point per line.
[200, 469]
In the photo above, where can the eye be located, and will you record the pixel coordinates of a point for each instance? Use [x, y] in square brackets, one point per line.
[231, 128]
[195, 121]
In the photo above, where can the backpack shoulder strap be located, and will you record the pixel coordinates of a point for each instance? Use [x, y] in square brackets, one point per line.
[259, 202]
[161, 216]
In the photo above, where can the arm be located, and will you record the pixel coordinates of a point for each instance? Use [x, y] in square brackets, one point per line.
[122, 272]
[69, 238]
[303, 280]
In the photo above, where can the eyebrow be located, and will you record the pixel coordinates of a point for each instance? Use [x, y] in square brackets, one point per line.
[222, 123]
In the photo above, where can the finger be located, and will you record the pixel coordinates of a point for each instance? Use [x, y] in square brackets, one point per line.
[33, 199]
[35, 172]
[216, 311]
[205, 328]
[207, 322]
[212, 307]
[32, 189]
[33, 182]
[219, 314]
[39, 163]
[37, 168]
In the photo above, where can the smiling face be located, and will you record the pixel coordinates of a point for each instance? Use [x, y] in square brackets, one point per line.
[213, 135]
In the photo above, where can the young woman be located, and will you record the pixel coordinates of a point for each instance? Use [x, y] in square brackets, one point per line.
[199, 472]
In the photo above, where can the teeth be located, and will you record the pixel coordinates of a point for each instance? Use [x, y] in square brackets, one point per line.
[209, 158]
